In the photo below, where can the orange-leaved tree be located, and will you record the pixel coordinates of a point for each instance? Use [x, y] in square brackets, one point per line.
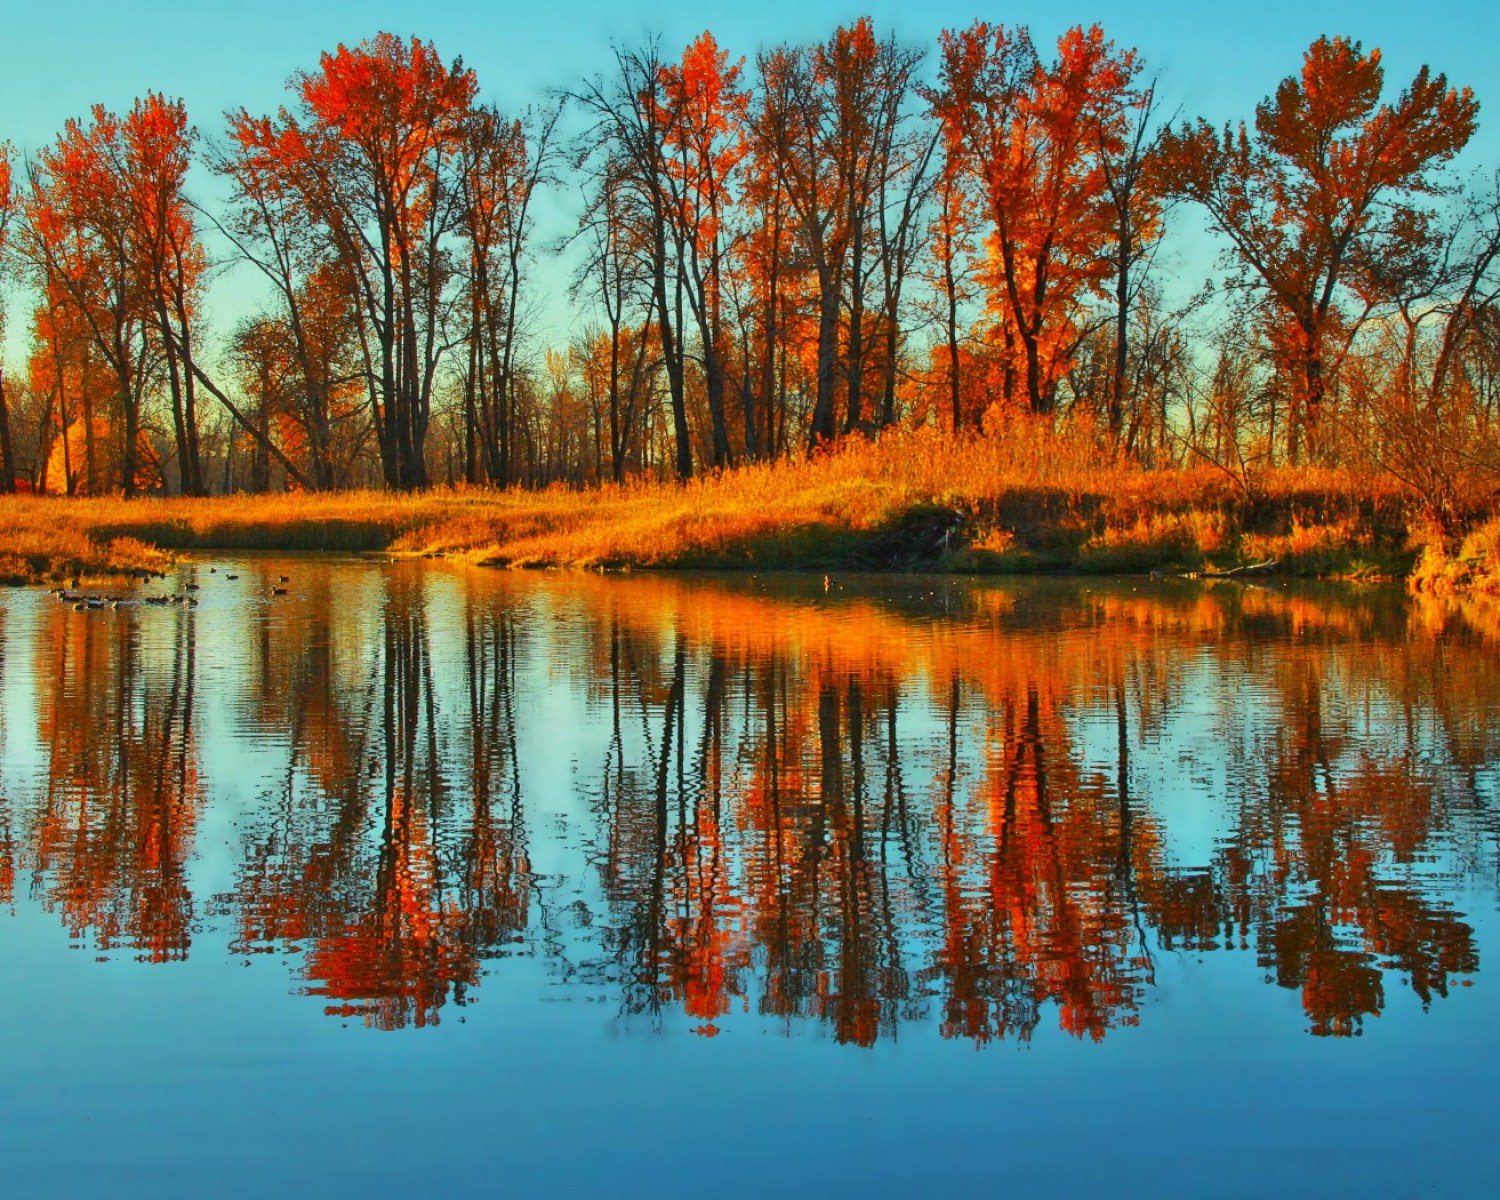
[1327, 186]
[169, 259]
[7, 208]
[369, 161]
[704, 110]
[80, 246]
[826, 124]
[1035, 136]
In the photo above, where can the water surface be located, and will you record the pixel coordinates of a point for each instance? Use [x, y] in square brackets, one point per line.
[431, 881]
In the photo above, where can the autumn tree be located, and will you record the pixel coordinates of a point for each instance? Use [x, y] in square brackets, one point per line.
[79, 242]
[7, 211]
[1036, 135]
[317, 305]
[169, 257]
[703, 118]
[629, 144]
[1422, 381]
[829, 114]
[501, 165]
[370, 158]
[276, 365]
[64, 368]
[768, 264]
[951, 247]
[1330, 182]
[110, 237]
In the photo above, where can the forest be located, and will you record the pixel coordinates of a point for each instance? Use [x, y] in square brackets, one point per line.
[859, 248]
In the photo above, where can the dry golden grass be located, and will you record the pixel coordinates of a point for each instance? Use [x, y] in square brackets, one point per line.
[1471, 570]
[43, 551]
[1017, 501]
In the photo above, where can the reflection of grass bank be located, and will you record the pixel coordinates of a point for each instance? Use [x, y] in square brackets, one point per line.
[1472, 569]
[1021, 503]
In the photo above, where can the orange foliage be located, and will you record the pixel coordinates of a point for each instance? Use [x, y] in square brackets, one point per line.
[1033, 136]
[1322, 197]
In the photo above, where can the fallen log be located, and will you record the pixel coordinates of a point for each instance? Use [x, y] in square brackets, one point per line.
[1260, 568]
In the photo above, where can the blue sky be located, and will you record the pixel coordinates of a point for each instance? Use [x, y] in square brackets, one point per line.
[1215, 60]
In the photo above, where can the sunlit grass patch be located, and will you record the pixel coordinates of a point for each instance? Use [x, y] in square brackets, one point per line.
[53, 553]
[1472, 568]
[1017, 499]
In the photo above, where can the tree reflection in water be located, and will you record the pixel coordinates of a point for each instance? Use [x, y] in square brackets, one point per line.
[110, 839]
[893, 808]
[395, 871]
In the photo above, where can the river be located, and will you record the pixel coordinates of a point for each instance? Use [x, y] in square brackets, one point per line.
[422, 880]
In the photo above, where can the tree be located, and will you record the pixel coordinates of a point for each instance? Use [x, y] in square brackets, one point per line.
[1132, 186]
[829, 114]
[952, 245]
[7, 211]
[1035, 136]
[615, 274]
[630, 139]
[703, 118]
[157, 144]
[772, 268]
[907, 184]
[1422, 379]
[80, 243]
[110, 238]
[501, 165]
[1328, 185]
[370, 158]
[271, 227]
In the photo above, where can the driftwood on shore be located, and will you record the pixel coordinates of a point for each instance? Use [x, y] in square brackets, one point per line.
[1260, 568]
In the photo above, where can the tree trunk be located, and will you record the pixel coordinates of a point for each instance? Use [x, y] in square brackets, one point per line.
[7, 450]
[822, 427]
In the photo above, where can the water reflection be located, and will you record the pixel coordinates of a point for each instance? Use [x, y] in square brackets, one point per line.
[110, 838]
[393, 869]
[987, 809]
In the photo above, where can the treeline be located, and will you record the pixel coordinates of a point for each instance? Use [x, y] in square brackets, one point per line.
[769, 254]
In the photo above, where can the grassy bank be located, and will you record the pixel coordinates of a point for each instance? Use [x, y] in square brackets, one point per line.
[1473, 569]
[35, 549]
[1022, 503]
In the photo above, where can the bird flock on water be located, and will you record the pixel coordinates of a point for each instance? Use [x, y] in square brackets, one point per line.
[92, 602]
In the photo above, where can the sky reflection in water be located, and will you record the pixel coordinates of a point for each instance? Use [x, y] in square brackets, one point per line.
[1155, 837]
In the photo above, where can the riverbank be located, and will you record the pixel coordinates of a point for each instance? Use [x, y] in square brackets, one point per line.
[910, 502]
[1473, 569]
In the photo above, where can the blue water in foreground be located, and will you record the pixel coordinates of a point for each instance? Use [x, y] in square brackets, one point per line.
[422, 881]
